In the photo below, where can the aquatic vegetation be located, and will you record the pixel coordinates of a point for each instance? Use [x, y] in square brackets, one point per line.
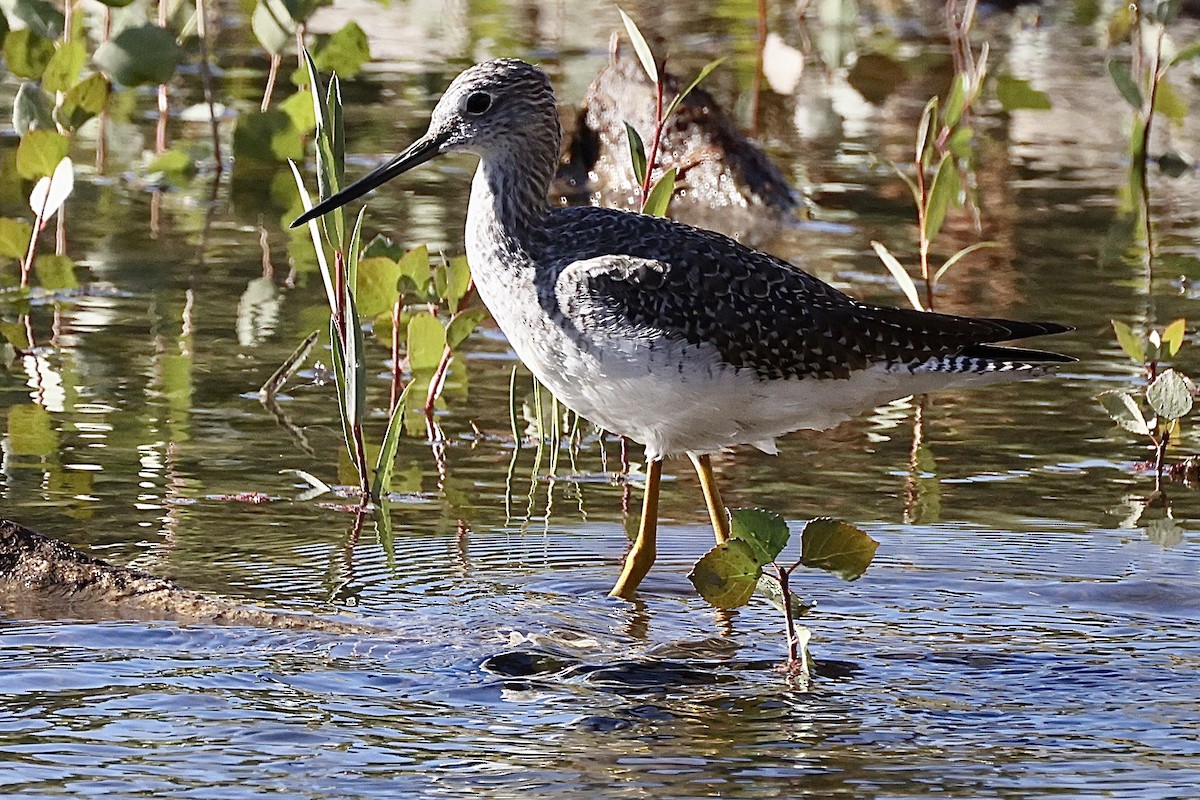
[1168, 393]
[732, 572]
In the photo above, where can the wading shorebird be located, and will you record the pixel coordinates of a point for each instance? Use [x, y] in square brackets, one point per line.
[678, 338]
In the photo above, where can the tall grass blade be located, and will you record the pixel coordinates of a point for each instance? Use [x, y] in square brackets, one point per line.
[640, 47]
[382, 484]
[318, 245]
[900, 274]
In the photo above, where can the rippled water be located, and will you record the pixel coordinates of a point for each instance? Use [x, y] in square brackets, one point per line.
[1026, 629]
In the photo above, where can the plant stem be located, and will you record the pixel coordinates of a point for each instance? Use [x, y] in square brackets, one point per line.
[658, 127]
[788, 617]
[206, 81]
[272, 74]
[756, 88]
[395, 395]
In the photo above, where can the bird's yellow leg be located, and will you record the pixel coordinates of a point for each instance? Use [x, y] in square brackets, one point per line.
[641, 555]
[712, 497]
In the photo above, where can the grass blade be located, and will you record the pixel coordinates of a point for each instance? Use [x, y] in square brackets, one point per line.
[315, 231]
[660, 196]
[640, 46]
[959, 256]
[705, 71]
[288, 367]
[899, 273]
[386, 463]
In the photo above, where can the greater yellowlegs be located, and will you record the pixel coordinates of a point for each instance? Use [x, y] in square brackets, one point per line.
[678, 338]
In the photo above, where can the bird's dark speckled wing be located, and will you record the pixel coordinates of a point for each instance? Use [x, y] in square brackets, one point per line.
[630, 273]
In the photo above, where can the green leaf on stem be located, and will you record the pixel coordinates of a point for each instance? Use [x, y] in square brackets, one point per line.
[273, 25]
[959, 256]
[38, 15]
[299, 108]
[64, 67]
[766, 532]
[377, 285]
[426, 342]
[83, 101]
[705, 71]
[1169, 102]
[956, 101]
[1125, 83]
[924, 150]
[637, 153]
[658, 202]
[1172, 335]
[27, 54]
[1133, 345]
[452, 281]
[55, 273]
[899, 273]
[943, 192]
[769, 589]
[644, 54]
[145, 54]
[1186, 54]
[463, 324]
[727, 575]
[1018, 93]
[1170, 395]
[838, 547]
[14, 237]
[1125, 411]
[345, 51]
[32, 109]
[39, 153]
[414, 266]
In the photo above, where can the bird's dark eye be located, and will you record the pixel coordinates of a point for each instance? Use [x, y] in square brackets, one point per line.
[478, 102]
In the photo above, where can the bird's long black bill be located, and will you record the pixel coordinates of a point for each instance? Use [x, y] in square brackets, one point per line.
[417, 153]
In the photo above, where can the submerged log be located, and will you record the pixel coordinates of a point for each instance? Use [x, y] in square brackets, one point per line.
[38, 573]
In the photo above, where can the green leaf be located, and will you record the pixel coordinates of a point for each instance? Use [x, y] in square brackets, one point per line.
[315, 233]
[1166, 11]
[705, 71]
[1170, 395]
[145, 54]
[924, 150]
[63, 70]
[1186, 54]
[14, 237]
[1169, 102]
[55, 272]
[344, 52]
[385, 465]
[453, 281]
[338, 356]
[83, 101]
[943, 193]
[174, 162]
[959, 142]
[1018, 93]
[1172, 335]
[376, 285]
[38, 15]
[658, 202]
[273, 25]
[426, 342]
[1125, 411]
[959, 256]
[463, 325]
[637, 153]
[765, 532]
[956, 101]
[383, 247]
[415, 266]
[899, 273]
[1133, 345]
[1128, 88]
[838, 547]
[267, 136]
[32, 109]
[727, 575]
[299, 108]
[640, 47]
[39, 153]
[27, 54]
